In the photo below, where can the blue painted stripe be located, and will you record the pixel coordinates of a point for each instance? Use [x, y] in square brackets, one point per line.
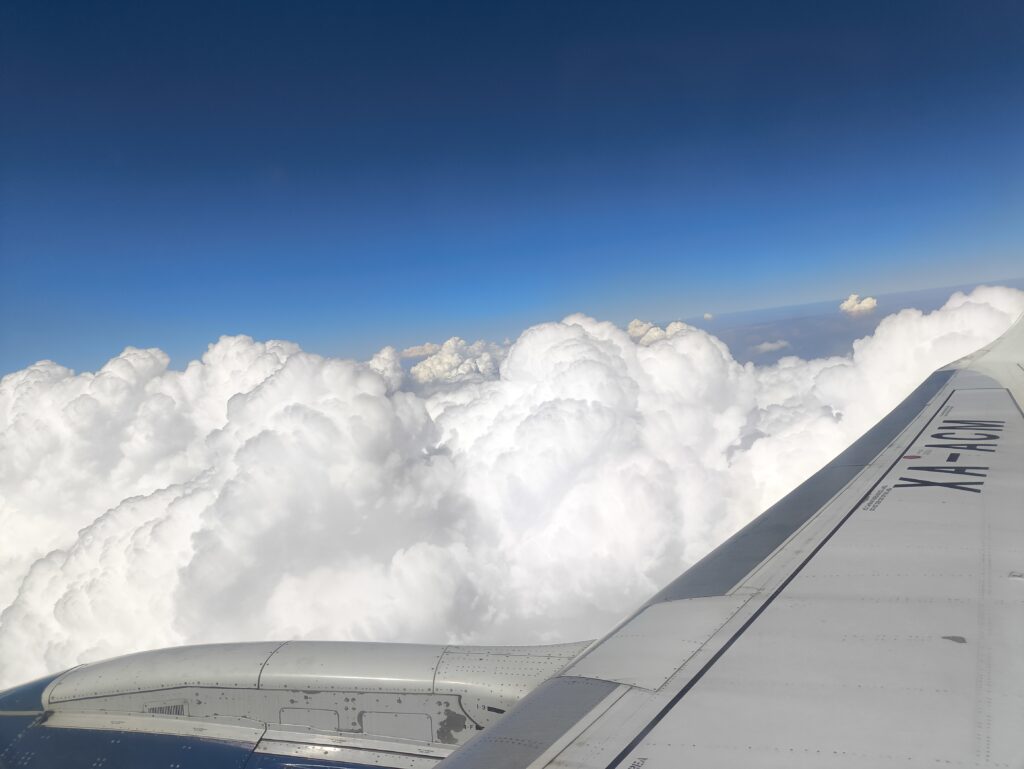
[27, 743]
[42, 747]
[26, 697]
[12, 729]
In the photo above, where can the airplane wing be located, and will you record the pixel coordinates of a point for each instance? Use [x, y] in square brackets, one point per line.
[874, 617]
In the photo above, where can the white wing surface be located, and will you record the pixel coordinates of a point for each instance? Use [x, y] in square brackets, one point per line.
[874, 617]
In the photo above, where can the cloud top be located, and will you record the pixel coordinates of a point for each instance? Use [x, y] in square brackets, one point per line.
[523, 493]
[778, 344]
[421, 350]
[854, 305]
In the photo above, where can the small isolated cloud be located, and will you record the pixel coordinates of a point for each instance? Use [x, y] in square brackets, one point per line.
[645, 333]
[421, 350]
[708, 316]
[854, 305]
[778, 344]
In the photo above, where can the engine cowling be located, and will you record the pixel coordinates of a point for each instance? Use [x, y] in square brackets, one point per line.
[331, 701]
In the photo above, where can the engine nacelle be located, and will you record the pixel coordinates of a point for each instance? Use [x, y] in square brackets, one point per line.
[336, 701]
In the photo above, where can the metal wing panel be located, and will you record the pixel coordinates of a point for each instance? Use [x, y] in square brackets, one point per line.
[899, 642]
[880, 607]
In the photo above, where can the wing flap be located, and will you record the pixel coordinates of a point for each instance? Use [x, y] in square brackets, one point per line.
[648, 650]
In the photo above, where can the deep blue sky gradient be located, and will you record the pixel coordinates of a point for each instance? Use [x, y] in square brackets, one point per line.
[354, 174]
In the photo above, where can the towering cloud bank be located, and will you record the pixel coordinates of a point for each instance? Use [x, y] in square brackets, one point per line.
[492, 493]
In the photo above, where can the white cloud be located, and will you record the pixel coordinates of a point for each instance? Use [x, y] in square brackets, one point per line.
[854, 305]
[457, 361]
[708, 316]
[421, 350]
[531, 493]
[778, 344]
[645, 333]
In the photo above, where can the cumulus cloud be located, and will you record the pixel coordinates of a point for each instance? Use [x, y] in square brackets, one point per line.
[457, 361]
[854, 305]
[645, 333]
[708, 316]
[521, 493]
[421, 350]
[778, 344]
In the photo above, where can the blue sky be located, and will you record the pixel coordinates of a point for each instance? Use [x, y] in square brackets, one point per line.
[354, 174]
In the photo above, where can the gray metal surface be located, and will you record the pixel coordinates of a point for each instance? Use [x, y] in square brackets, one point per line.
[490, 680]
[527, 732]
[897, 644]
[328, 666]
[227, 666]
[648, 650]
